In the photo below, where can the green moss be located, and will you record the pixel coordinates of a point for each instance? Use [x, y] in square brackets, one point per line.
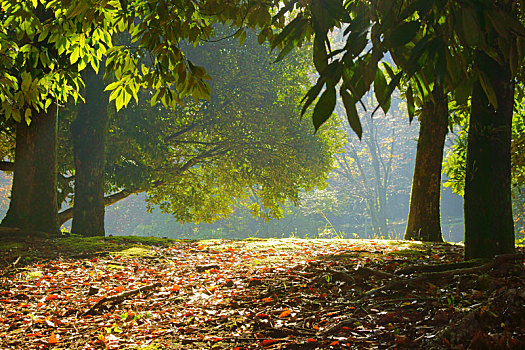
[78, 244]
[75, 244]
[7, 245]
[136, 252]
[253, 239]
[151, 347]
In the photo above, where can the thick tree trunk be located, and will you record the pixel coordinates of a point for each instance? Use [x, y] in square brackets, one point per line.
[33, 203]
[489, 227]
[89, 143]
[67, 214]
[424, 213]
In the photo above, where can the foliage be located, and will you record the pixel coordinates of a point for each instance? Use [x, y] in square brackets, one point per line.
[195, 160]
[45, 44]
[455, 162]
[431, 41]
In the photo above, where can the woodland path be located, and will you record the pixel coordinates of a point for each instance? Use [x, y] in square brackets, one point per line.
[272, 294]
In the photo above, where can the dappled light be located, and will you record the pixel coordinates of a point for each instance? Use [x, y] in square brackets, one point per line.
[299, 174]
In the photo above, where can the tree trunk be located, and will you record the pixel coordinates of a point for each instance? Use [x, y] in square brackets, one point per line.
[67, 214]
[424, 212]
[89, 142]
[489, 227]
[33, 203]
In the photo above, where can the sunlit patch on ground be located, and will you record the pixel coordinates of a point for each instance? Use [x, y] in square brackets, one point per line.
[275, 294]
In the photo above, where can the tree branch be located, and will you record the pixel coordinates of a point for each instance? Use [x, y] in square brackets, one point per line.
[7, 166]
[67, 214]
[10, 166]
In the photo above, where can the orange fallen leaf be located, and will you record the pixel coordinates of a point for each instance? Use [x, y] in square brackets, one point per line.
[36, 334]
[52, 339]
[119, 289]
[51, 297]
[267, 300]
[267, 342]
[285, 313]
[175, 288]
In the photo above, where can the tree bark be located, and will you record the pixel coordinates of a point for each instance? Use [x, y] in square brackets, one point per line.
[33, 203]
[89, 142]
[67, 214]
[489, 227]
[424, 212]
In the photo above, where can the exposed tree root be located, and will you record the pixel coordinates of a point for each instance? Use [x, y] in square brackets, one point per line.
[432, 276]
[115, 299]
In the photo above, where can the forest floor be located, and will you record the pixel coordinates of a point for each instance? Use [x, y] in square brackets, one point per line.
[132, 293]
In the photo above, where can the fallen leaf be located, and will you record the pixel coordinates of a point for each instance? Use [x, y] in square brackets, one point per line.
[52, 339]
[285, 313]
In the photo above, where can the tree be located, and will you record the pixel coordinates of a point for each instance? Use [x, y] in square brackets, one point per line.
[372, 169]
[424, 219]
[196, 160]
[45, 44]
[37, 77]
[455, 163]
[472, 29]
[88, 133]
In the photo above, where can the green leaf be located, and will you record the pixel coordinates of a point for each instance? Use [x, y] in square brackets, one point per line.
[319, 53]
[380, 90]
[311, 95]
[242, 38]
[389, 70]
[287, 7]
[27, 116]
[470, 27]
[112, 86]
[324, 107]
[410, 103]
[336, 10]
[489, 91]
[154, 98]
[284, 52]
[351, 113]
[403, 33]
[498, 22]
[74, 55]
[462, 92]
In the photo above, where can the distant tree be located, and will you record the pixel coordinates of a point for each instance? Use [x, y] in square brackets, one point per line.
[372, 169]
[196, 160]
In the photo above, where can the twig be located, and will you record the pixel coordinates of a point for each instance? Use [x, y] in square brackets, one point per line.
[337, 326]
[120, 297]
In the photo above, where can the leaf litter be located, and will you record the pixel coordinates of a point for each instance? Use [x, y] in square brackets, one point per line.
[269, 294]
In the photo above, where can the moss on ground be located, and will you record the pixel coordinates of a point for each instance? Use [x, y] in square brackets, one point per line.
[74, 245]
